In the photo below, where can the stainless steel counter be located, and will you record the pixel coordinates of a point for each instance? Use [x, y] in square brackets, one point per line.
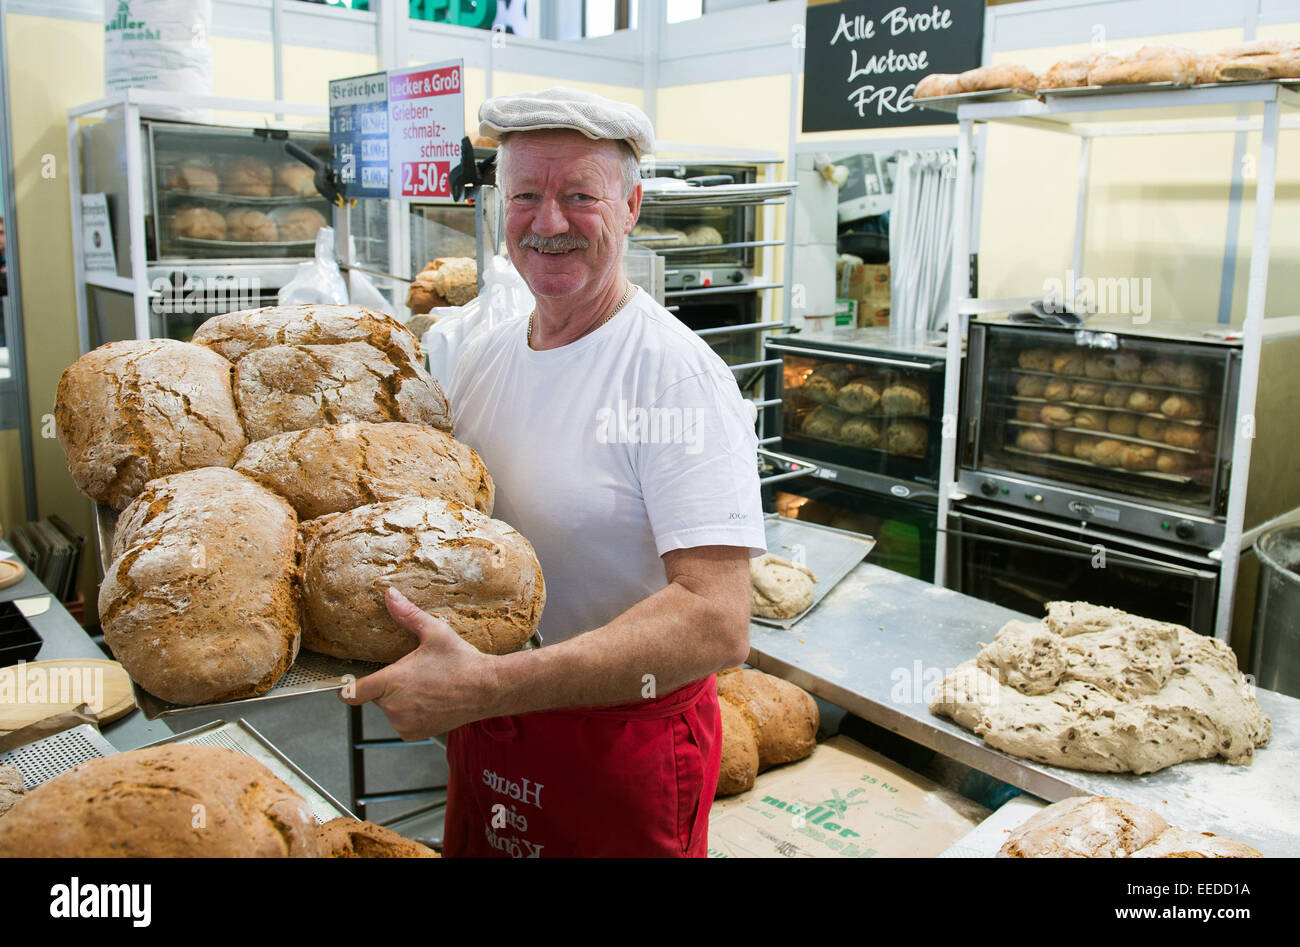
[880, 641]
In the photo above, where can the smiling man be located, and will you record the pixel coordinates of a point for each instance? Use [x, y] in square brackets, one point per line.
[622, 449]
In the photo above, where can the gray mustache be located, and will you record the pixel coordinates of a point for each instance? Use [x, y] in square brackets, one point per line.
[563, 241]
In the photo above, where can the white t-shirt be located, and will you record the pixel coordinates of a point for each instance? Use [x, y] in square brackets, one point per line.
[609, 452]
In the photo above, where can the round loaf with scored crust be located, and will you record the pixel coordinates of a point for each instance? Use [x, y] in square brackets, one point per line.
[937, 84]
[293, 387]
[339, 467]
[199, 603]
[131, 411]
[739, 766]
[1067, 73]
[235, 334]
[1085, 827]
[475, 573]
[348, 838]
[784, 718]
[174, 801]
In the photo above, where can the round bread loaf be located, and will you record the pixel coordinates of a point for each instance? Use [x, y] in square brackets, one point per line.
[294, 180]
[1190, 375]
[778, 587]
[1122, 423]
[131, 411]
[1090, 420]
[1099, 367]
[1139, 457]
[250, 177]
[1127, 367]
[235, 334]
[298, 224]
[348, 838]
[1116, 396]
[1084, 827]
[1085, 447]
[1109, 453]
[421, 297]
[193, 176]
[1034, 439]
[1036, 360]
[1068, 363]
[199, 603]
[822, 422]
[1187, 407]
[475, 573]
[1162, 371]
[1027, 411]
[739, 766]
[905, 396]
[907, 437]
[250, 226]
[1143, 399]
[339, 467]
[1065, 441]
[173, 801]
[861, 432]
[198, 223]
[1057, 390]
[1183, 435]
[1152, 429]
[1031, 386]
[702, 235]
[858, 396]
[782, 717]
[454, 278]
[292, 387]
[1057, 415]
[1172, 462]
[1087, 392]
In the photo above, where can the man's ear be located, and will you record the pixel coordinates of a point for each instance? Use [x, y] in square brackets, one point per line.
[633, 208]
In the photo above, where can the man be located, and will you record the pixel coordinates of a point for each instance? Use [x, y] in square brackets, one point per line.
[622, 449]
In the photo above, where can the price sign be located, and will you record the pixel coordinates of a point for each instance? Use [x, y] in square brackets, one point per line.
[359, 134]
[426, 121]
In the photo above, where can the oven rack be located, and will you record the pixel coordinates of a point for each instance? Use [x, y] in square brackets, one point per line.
[1052, 455]
[919, 415]
[1106, 435]
[1198, 392]
[1155, 415]
[826, 440]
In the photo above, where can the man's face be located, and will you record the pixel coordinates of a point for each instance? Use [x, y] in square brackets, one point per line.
[566, 214]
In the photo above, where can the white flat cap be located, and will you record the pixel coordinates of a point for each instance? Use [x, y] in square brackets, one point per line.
[560, 107]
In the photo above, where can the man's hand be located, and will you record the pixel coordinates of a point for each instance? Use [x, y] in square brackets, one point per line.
[442, 684]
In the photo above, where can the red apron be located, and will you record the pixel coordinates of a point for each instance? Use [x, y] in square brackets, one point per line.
[629, 780]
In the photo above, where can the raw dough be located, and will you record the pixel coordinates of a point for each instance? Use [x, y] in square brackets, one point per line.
[1135, 695]
[779, 587]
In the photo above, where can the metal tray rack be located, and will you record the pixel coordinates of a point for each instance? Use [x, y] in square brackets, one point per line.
[830, 553]
[42, 760]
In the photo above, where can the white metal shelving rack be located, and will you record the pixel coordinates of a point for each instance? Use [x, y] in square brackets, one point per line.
[1265, 107]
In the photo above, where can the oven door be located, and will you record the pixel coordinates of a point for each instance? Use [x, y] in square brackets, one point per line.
[1024, 562]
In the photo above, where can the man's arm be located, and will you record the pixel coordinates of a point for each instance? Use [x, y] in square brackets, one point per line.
[697, 624]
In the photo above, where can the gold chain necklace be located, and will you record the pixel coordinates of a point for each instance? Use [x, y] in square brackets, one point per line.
[627, 294]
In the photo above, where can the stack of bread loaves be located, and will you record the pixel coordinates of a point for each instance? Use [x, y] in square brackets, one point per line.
[446, 281]
[352, 483]
[765, 722]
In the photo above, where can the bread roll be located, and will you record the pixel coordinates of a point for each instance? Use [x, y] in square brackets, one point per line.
[421, 297]
[292, 387]
[1067, 74]
[1108, 453]
[1116, 396]
[1139, 457]
[1064, 442]
[294, 180]
[1090, 420]
[824, 383]
[905, 396]
[475, 573]
[250, 226]
[1034, 439]
[861, 432]
[702, 235]
[1127, 367]
[995, 78]
[342, 466]
[823, 422]
[420, 323]
[1068, 363]
[199, 603]
[1028, 411]
[1057, 390]
[250, 177]
[1162, 371]
[782, 717]
[1259, 59]
[907, 437]
[1152, 429]
[454, 278]
[1172, 462]
[1088, 392]
[349, 838]
[1122, 423]
[1036, 360]
[131, 411]
[1190, 375]
[1057, 415]
[193, 176]
[739, 766]
[1184, 435]
[778, 587]
[1143, 399]
[1148, 63]
[174, 801]
[936, 84]
[1185, 407]
[1031, 386]
[1099, 367]
[858, 396]
[198, 223]
[1085, 447]
[298, 224]
[235, 334]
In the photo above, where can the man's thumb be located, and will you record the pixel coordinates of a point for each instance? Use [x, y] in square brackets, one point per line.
[411, 617]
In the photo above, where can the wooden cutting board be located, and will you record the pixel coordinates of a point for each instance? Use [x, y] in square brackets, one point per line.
[11, 572]
[59, 686]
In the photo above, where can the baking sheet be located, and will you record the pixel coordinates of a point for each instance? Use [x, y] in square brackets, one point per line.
[241, 737]
[721, 194]
[275, 200]
[199, 243]
[1051, 455]
[42, 760]
[949, 103]
[830, 553]
[1088, 90]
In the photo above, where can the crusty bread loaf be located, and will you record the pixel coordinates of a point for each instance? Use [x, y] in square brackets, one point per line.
[1031, 386]
[421, 297]
[1037, 360]
[294, 180]
[1100, 367]
[783, 718]
[1027, 411]
[1108, 453]
[1149, 63]
[1122, 423]
[1187, 407]
[342, 466]
[475, 573]
[298, 224]
[1184, 435]
[1144, 399]
[247, 176]
[823, 422]
[173, 801]
[739, 751]
[994, 78]
[193, 176]
[348, 838]
[1057, 390]
[1086, 446]
[858, 396]
[1087, 392]
[1161, 371]
[1107, 827]
[1068, 362]
[1258, 59]
[11, 787]
[1056, 415]
[235, 334]
[250, 226]
[454, 278]
[131, 411]
[1067, 74]
[1172, 462]
[199, 603]
[861, 432]
[1091, 420]
[936, 84]
[292, 387]
[905, 396]
[1153, 429]
[907, 436]
[1116, 396]
[198, 223]
[1035, 440]
[1139, 457]
[1127, 367]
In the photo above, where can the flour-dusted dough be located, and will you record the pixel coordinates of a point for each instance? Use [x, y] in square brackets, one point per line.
[1135, 695]
[780, 588]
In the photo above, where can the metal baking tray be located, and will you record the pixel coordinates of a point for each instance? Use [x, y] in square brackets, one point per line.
[1127, 438]
[199, 243]
[42, 760]
[1154, 415]
[949, 103]
[1201, 392]
[830, 553]
[1052, 455]
[1088, 90]
[240, 736]
[721, 194]
[275, 200]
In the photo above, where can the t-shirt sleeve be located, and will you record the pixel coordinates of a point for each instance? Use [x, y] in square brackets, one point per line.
[698, 467]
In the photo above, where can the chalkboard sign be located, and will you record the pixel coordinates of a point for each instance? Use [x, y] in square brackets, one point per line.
[359, 134]
[863, 58]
